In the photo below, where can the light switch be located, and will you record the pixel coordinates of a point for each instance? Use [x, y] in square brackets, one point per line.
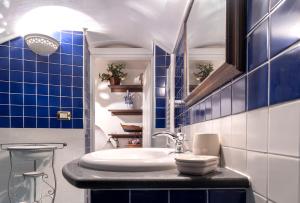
[63, 115]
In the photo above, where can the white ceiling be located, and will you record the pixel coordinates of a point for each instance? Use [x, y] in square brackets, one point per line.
[133, 22]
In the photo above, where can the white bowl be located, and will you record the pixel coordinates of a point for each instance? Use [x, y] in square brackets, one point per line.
[196, 165]
[191, 158]
[196, 170]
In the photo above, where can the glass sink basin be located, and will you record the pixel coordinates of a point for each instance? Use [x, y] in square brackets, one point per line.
[130, 160]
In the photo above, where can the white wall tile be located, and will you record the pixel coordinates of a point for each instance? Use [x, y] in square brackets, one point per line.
[226, 131]
[238, 130]
[257, 130]
[257, 169]
[259, 199]
[285, 129]
[284, 179]
[238, 159]
[226, 156]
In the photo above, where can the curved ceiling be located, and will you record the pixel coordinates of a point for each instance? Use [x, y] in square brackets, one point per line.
[134, 22]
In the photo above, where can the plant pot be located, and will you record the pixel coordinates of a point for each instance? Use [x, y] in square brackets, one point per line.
[115, 81]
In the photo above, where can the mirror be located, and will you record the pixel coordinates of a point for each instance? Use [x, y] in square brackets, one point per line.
[206, 40]
[215, 33]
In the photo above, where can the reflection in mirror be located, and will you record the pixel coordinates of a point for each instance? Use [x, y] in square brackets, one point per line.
[206, 33]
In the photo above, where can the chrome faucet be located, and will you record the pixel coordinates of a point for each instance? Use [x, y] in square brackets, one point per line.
[177, 138]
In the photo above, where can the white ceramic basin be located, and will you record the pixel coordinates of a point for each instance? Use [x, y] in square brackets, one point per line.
[130, 160]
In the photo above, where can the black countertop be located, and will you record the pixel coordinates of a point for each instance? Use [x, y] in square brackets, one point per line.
[91, 179]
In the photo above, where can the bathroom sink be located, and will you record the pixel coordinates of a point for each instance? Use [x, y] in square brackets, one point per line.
[130, 160]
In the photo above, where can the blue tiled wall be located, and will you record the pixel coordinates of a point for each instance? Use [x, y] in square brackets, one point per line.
[33, 88]
[162, 62]
[273, 64]
[170, 196]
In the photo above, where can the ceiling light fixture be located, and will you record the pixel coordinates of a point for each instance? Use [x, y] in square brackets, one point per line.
[43, 45]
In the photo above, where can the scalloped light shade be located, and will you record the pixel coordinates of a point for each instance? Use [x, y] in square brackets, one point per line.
[41, 44]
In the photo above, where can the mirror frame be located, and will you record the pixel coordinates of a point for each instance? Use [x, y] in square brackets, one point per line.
[235, 59]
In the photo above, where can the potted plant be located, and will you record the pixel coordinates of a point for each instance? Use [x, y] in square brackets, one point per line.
[203, 71]
[114, 73]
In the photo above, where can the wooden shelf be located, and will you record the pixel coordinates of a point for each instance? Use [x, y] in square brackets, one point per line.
[126, 112]
[124, 88]
[128, 135]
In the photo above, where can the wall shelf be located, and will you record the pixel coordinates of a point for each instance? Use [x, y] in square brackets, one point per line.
[127, 135]
[124, 88]
[126, 112]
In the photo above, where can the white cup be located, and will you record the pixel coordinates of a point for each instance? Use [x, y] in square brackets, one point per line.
[206, 144]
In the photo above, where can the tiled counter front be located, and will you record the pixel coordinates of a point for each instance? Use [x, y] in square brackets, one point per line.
[169, 196]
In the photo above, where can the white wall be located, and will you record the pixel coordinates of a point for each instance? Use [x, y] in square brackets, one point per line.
[73, 137]
[264, 144]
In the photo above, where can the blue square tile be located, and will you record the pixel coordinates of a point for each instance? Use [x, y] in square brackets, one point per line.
[77, 113]
[77, 92]
[4, 86]
[16, 64]
[66, 102]
[54, 79]
[66, 59]
[16, 110]
[16, 122]
[54, 90]
[149, 196]
[159, 51]
[29, 55]
[160, 102]
[17, 42]
[256, 10]
[16, 76]
[66, 48]
[4, 75]
[285, 77]
[42, 67]
[208, 109]
[30, 122]
[239, 96]
[54, 101]
[54, 58]
[258, 46]
[54, 123]
[4, 51]
[77, 81]
[43, 122]
[66, 91]
[283, 24]
[30, 111]
[160, 123]
[30, 66]
[222, 196]
[53, 111]
[258, 88]
[77, 32]
[30, 77]
[160, 113]
[77, 123]
[216, 105]
[29, 88]
[66, 38]
[42, 78]
[42, 100]
[42, 112]
[4, 110]
[42, 89]
[161, 71]
[160, 61]
[42, 58]
[66, 80]
[4, 122]
[78, 71]
[77, 60]
[160, 81]
[168, 60]
[16, 87]
[78, 50]
[226, 101]
[202, 112]
[188, 196]
[29, 99]
[4, 63]
[77, 103]
[66, 70]
[54, 68]
[16, 53]
[78, 39]
[16, 99]
[66, 124]
[120, 196]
